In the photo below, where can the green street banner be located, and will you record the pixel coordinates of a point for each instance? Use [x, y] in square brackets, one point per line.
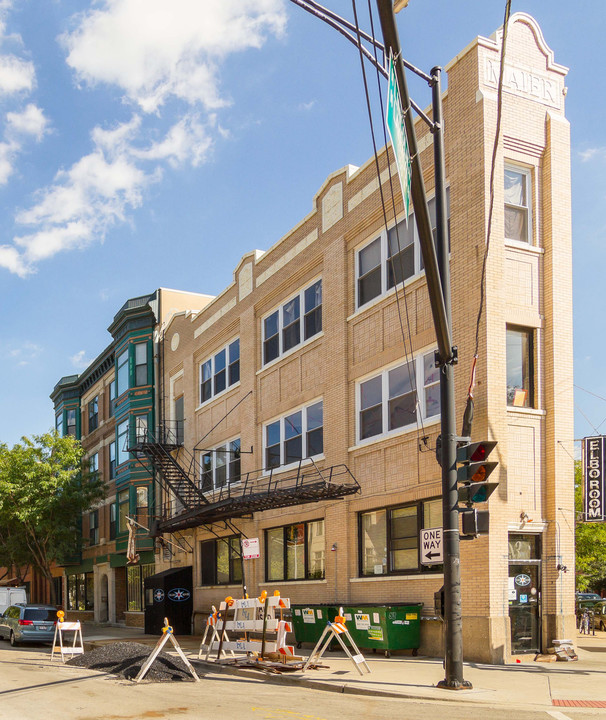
[397, 132]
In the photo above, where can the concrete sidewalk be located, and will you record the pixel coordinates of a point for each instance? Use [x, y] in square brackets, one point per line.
[543, 685]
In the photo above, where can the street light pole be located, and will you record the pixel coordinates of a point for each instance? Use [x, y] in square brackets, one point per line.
[438, 285]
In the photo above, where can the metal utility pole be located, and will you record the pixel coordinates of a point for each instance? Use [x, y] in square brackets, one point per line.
[437, 273]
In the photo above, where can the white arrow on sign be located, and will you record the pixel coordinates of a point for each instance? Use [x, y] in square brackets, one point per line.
[432, 552]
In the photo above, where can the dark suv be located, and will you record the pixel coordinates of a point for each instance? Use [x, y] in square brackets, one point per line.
[28, 623]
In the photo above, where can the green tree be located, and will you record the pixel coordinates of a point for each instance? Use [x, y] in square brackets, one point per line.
[590, 543]
[43, 493]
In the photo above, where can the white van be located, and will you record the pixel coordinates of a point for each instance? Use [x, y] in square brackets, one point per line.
[10, 596]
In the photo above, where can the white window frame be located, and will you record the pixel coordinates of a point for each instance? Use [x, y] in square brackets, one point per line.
[122, 455]
[93, 463]
[228, 456]
[384, 243]
[527, 173]
[302, 313]
[419, 369]
[305, 430]
[228, 364]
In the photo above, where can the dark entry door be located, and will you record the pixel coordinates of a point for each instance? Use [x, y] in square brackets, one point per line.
[525, 593]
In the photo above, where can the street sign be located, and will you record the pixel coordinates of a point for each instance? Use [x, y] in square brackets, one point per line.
[432, 550]
[250, 548]
[397, 132]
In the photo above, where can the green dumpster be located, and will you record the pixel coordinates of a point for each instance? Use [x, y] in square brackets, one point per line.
[385, 627]
[309, 621]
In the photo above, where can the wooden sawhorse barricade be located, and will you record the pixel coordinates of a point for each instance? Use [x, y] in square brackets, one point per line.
[211, 629]
[337, 629]
[60, 628]
[253, 615]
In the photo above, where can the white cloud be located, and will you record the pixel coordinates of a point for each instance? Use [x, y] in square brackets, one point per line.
[592, 153]
[25, 353]
[11, 260]
[16, 75]
[153, 49]
[187, 140]
[30, 121]
[307, 106]
[79, 360]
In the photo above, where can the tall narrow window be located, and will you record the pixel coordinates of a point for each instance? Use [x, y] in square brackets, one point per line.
[59, 423]
[122, 372]
[291, 325]
[141, 434]
[93, 525]
[122, 440]
[112, 398]
[234, 363]
[142, 496]
[123, 510]
[72, 428]
[401, 252]
[271, 342]
[112, 521]
[517, 205]
[140, 364]
[520, 367]
[93, 466]
[93, 414]
[179, 432]
[112, 460]
[369, 272]
[313, 309]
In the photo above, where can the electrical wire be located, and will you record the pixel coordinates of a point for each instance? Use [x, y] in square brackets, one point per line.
[408, 353]
[491, 205]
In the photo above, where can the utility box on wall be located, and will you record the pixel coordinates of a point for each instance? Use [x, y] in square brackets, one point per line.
[169, 595]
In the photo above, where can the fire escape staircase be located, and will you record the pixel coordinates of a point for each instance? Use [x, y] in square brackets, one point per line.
[265, 489]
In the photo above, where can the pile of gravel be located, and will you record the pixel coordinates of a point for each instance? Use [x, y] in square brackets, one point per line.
[127, 658]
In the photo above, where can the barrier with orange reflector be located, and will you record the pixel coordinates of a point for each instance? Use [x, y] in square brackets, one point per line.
[337, 630]
[61, 626]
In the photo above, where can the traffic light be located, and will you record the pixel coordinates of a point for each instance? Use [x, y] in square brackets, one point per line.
[474, 522]
[474, 471]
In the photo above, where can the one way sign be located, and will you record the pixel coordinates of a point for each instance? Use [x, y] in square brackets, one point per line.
[431, 546]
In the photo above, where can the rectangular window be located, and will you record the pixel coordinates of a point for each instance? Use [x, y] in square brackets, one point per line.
[140, 364]
[122, 440]
[112, 398]
[59, 423]
[93, 414]
[93, 525]
[294, 437]
[93, 466]
[295, 552]
[142, 497]
[520, 367]
[221, 561]
[518, 194]
[389, 538]
[141, 434]
[122, 382]
[296, 321]
[123, 510]
[80, 591]
[392, 258]
[135, 577]
[71, 423]
[179, 432]
[112, 460]
[112, 521]
[392, 400]
[220, 466]
[220, 372]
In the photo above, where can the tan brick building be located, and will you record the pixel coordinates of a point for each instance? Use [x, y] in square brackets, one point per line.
[311, 359]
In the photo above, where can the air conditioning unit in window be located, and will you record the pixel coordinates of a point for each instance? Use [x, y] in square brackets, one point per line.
[102, 541]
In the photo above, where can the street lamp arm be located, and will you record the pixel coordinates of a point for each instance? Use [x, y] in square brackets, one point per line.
[349, 25]
[333, 20]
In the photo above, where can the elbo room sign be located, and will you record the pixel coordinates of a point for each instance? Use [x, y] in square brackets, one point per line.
[593, 476]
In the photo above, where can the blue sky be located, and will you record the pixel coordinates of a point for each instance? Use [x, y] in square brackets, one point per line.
[146, 143]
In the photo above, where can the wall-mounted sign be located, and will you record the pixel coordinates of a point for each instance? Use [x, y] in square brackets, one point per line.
[250, 548]
[593, 479]
[523, 580]
[179, 594]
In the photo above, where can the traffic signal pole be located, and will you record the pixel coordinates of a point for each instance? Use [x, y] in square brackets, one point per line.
[437, 274]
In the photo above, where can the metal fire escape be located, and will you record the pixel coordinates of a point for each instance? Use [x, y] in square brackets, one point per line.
[264, 489]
